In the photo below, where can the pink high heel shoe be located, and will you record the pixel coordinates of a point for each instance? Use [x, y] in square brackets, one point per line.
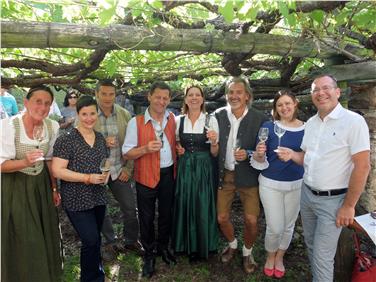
[279, 273]
[269, 272]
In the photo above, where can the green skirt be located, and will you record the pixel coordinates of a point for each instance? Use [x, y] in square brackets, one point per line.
[195, 229]
[30, 234]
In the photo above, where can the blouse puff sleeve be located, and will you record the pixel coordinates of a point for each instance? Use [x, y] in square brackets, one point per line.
[8, 149]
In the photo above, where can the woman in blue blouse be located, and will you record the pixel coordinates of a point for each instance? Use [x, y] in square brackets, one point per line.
[76, 161]
[279, 182]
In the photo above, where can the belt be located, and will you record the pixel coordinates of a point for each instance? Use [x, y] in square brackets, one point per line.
[333, 192]
[165, 170]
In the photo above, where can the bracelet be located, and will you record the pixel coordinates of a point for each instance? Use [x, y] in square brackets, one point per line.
[87, 179]
[54, 189]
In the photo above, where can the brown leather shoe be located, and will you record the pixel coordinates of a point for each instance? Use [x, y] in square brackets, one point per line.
[249, 264]
[228, 254]
[136, 248]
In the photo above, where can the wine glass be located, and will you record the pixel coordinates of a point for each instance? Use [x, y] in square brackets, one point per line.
[207, 125]
[279, 131]
[159, 133]
[105, 166]
[112, 138]
[38, 135]
[236, 147]
[263, 134]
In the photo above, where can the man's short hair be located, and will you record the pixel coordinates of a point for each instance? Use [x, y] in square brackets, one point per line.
[104, 82]
[330, 76]
[239, 79]
[160, 85]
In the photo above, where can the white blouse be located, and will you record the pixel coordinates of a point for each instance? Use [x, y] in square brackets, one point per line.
[199, 125]
[7, 138]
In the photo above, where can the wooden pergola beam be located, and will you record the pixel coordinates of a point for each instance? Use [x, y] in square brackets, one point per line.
[63, 35]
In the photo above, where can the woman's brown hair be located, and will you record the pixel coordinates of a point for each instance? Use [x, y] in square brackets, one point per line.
[185, 109]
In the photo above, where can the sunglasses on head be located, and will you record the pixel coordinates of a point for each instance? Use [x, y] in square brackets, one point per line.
[72, 97]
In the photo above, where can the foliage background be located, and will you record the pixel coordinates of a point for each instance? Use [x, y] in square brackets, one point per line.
[351, 22]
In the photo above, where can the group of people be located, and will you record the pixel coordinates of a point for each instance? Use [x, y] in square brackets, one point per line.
[190, 167]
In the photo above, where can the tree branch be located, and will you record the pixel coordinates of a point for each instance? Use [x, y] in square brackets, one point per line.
[288, 70]
[59, 69]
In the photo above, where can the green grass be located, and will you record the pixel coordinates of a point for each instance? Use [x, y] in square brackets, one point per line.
[72, 269]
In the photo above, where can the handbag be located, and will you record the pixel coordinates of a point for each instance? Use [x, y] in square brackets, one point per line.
[364, 266]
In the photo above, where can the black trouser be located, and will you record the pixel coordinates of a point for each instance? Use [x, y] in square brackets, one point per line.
[146, 200]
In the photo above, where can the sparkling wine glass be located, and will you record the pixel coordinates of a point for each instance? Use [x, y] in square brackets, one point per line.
[207, 125]
[105, 166]
[263, 134]
[38, 135]
[236, 147]
[279, 131]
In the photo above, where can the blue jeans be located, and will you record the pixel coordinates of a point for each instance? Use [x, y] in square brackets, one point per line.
[88, 225]
[318, 214]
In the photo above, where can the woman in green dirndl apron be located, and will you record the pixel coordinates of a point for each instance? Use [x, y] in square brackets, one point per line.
[195, 230]
[30, 235]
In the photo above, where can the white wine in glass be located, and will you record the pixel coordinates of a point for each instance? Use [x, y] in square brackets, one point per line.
[38, 135]
[159, 133]
[263, 134]
[105, 166]
[207, 125]
[236, 147]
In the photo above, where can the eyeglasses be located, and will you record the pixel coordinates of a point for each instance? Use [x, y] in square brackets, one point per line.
[73, 97]
[325, 89]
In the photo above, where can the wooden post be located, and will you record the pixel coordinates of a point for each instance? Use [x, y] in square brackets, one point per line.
[344, 259]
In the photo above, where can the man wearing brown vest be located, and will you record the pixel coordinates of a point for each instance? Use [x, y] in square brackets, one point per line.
[150, 142]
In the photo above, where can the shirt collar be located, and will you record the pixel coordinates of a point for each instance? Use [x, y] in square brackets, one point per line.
[231, 115]
[148, 117]
[336, 113]
[113, 113]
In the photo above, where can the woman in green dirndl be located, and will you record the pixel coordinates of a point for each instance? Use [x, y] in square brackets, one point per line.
[30, 235]
[195, 230]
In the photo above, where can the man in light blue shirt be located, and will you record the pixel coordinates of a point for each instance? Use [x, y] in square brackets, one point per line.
[8, 102]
